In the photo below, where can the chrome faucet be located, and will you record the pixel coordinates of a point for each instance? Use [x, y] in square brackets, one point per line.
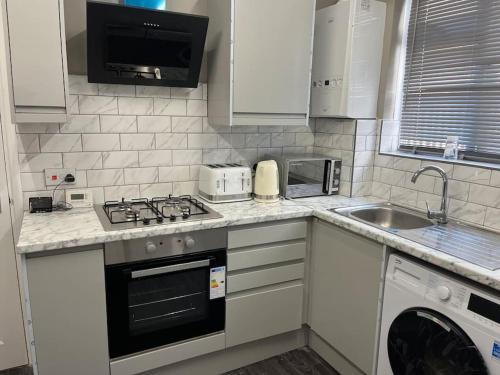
[441, 216]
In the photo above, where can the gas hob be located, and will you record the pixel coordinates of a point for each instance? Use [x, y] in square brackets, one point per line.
[142, 212]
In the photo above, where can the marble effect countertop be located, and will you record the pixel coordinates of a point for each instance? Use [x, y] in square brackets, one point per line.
[81, 227]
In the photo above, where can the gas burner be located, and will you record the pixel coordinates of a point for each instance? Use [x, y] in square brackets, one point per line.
[133, 213]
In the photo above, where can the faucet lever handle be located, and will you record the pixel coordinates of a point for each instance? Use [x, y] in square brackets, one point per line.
[429, 211]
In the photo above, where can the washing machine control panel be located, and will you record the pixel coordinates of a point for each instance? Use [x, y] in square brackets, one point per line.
[446, 291]
[463, 299]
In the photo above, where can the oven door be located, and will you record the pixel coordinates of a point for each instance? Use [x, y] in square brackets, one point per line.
[158, 302]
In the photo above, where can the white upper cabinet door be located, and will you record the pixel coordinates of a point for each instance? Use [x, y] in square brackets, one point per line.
[272, 56]
[36, 53]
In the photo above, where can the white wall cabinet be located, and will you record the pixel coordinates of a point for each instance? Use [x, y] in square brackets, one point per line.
[265, 281]
[37, 53]
[259, 61]
[345, 287]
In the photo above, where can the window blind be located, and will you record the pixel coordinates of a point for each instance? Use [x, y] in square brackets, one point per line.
[452, 75]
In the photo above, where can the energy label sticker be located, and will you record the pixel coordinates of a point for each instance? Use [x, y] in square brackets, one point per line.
[217, 282]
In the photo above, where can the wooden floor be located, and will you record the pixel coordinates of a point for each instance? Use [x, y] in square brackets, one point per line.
[302, 361]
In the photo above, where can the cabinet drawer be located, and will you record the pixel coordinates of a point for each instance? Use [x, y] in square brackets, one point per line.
[262, 256]
[263, 314]
[256, 279]
[266, 234]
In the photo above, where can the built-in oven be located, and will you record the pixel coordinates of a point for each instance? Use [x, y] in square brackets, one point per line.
[165, 289]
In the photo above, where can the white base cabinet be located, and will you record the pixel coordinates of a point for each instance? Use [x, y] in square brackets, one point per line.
[345, 289]
[68, 308]
[265, 281]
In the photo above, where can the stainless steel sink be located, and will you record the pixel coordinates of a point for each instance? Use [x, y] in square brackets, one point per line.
[475, 245]
[387, 216]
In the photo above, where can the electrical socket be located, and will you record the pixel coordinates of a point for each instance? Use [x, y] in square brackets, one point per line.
[55, 176]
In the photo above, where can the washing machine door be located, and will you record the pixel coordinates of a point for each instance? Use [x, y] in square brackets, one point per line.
[425, 342]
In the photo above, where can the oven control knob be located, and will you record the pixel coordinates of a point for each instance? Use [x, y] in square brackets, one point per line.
[150, 247]
[443, 292]
[189, 241]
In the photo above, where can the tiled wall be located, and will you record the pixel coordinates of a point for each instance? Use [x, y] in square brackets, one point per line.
[130, 141]
[474, 193]
[354, 142]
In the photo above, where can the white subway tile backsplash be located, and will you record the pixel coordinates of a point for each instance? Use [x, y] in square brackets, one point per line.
[98, 105]
[39, 162]
[188, 187]
[169, 107]
[152, 91]
[495, 178]
[155, 158]
[469, 212]
[491, 218]
[81, 124]
[116, 193]
[187, 93]
[135, 106]
[469, 174]
[258, 140]
[245, 156]
[120, 159]
[202, 141]
[60, 142]
[187, 157]
[82, 160]
[79, 85]
[105, 177]
[155, 190]
[27, 143]
[301, 139]
[196, 108]
[154, 124]
[116, 90]
[123, 140]
[171, 174]
[216, 156]
[485, 195]
[194, 172]
[141, 175]
[171, 141]
[118, 124]
[73, 105]
[37, 128]
[101, 142]
[187, 125]
[137, 141]
[33, 181]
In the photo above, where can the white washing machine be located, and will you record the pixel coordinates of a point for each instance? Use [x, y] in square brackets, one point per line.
[434, 323]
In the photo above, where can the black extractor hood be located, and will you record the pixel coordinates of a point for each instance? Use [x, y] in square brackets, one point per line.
[139, 46]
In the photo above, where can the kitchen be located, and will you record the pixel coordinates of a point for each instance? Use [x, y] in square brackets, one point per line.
[234, 186]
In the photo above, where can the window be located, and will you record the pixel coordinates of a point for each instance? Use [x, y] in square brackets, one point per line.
[452, 76]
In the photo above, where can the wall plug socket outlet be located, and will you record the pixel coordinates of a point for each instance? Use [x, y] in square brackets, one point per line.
[55, 176]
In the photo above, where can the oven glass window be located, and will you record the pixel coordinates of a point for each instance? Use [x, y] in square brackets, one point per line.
[162, 302]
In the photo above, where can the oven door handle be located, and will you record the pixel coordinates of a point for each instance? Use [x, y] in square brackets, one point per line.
[170, 269]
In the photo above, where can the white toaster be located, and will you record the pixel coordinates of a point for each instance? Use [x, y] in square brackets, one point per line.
[220, 183]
